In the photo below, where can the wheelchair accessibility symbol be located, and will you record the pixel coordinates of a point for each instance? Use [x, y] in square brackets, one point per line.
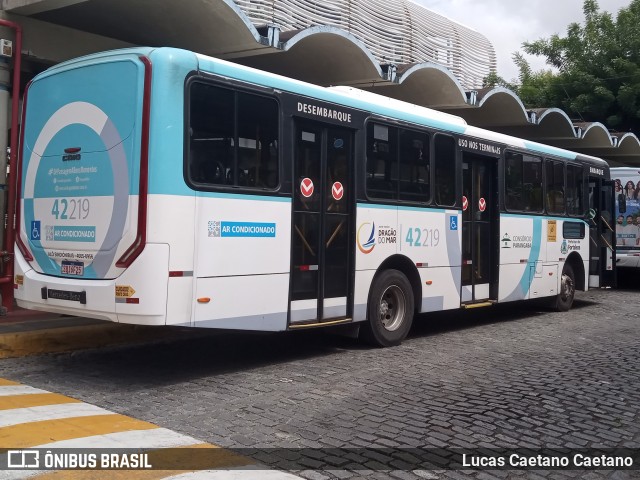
[453, 223]
[35, 230]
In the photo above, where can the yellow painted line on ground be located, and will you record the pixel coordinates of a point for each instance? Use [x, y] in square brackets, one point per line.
[194, 457]
[4, 382]
[19, 344]
[63, 339]
[37, 433]
[34, 400]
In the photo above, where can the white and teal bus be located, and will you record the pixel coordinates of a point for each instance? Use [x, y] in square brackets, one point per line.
[164, 187]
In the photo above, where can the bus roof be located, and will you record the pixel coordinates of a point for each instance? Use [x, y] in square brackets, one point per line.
[382, 105]
[346, 96]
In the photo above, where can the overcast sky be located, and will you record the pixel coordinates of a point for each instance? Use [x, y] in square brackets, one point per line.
[508, 23]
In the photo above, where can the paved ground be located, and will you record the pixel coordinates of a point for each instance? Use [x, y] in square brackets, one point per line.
[510, 376]
[35, 418]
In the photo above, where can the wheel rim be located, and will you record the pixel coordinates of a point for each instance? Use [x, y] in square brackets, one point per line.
[391, 308]
[567, 288]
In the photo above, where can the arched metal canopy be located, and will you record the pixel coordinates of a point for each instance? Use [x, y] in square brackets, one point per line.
[426, 84]
[325, 55]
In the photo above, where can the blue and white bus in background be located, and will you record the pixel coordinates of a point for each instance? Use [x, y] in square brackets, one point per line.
[163, 187]
[626, 182]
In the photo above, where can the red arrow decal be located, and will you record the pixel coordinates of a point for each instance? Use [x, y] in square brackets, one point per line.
[337, 190]
[306, 187]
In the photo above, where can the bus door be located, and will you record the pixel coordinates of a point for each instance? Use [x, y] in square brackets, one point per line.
[479, 227]
[323, 203]
[602, 233]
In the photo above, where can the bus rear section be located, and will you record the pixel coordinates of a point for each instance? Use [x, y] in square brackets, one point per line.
[627, 211]
[81, 242]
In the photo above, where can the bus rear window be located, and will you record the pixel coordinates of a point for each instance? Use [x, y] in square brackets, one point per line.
[233, 138]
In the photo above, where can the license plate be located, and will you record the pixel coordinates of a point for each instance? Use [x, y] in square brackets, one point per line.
[64, 295]
[72, 268]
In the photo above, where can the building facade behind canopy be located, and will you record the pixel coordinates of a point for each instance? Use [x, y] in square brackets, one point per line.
[396, 31]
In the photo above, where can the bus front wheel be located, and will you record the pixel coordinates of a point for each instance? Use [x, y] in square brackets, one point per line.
[564, 299]
[390, 309]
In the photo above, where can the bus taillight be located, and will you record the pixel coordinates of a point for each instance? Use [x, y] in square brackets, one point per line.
[21, 246]
[137, 246]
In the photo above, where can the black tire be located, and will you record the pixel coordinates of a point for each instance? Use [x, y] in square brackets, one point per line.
[564, 299]
[389, 310]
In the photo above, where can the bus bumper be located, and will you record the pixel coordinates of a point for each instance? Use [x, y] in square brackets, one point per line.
[137, 296]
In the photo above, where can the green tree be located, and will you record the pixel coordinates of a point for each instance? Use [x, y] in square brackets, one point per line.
[596, 69]
[533, 88]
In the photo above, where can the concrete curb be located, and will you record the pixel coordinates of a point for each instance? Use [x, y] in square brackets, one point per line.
[37, 336]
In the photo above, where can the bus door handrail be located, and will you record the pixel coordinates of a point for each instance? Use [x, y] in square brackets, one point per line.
[304, 240]
[334, 234]
[605, 241]
[606, 223]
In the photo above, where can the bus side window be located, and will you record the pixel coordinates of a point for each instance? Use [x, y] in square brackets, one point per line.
[257, 130]
[575, 190]
[382, 161]
[197, 160]
[267, 168]
[554, 185]
[523, 182]
[555, 201]
[211, 139]
[445, 170]
[414, 166]
[205, 164]
[513, 181]
[532, 183]
[233, 138]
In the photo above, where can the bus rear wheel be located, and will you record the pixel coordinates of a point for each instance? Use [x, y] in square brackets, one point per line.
[390, 309]
[564, 299]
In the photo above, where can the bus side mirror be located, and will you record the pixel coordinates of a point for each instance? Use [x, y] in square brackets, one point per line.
[622, 203]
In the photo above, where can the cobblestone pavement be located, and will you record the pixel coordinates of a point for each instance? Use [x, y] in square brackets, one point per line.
[511, 376]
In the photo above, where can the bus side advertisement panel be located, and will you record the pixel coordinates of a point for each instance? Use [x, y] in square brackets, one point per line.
[431, 239]
[242, 241]
[627, 199]
[233, 232]
[520, 249]
[376, 239]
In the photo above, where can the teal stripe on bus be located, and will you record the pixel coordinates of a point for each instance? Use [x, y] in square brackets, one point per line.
[405, 207]
[544, 217]
[243, 196]
[549, 150]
